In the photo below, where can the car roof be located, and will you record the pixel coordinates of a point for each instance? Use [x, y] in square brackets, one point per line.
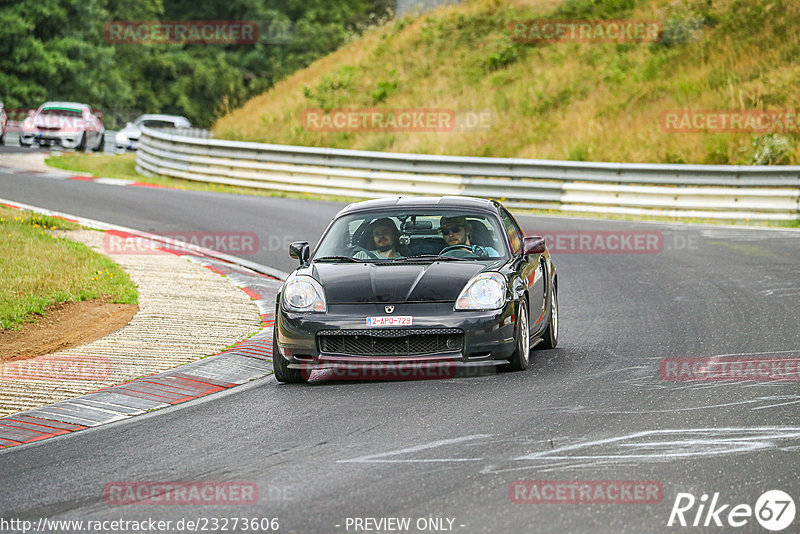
[455, 202]
[64, 105]
[159, 117]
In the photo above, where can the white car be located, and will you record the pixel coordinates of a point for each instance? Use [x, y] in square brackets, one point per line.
[72, 125]
[128, 137]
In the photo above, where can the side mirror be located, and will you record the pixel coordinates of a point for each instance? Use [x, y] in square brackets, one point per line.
[533, 244]
[299, 250]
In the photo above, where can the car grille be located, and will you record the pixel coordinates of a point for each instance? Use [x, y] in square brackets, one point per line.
[390, 342]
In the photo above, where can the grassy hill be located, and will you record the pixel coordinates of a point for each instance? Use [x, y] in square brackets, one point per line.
[576, 101]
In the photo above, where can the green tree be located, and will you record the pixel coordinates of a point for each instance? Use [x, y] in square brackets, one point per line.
[51, 49]
[56, 50]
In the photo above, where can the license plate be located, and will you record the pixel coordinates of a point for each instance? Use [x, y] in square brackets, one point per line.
[399, 320]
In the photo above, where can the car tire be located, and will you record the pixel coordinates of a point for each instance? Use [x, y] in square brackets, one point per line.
[281, 366]
[521, 357]
[550, 335]
[82, 144]
[3, 138]
[102, 144]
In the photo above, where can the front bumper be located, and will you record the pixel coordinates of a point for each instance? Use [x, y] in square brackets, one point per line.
[64, 140]
[131, 144]
[488, 336]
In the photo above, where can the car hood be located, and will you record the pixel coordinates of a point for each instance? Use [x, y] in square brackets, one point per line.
[348, 283]
[57, 123]
[131, 132]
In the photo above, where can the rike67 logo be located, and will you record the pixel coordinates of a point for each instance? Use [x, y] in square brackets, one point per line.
[774, 510]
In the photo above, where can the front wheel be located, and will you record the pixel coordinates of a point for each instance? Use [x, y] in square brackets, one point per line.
[550, 335]
[281, 366]
[521, 357]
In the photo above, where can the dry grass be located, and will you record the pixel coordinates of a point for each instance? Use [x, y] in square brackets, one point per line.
[574, 101]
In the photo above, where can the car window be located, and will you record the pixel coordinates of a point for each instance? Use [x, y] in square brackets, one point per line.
[153, 123]
[411, 233]
[513, 232]
[61, 112]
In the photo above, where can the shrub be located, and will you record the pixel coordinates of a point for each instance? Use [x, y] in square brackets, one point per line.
[383, 91]
[507, 54]
[328, 94]
[771, 149]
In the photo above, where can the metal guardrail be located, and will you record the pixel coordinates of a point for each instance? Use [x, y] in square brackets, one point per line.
[687, 191]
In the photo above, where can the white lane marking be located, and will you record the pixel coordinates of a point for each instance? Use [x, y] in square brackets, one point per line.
[710, 441]
[265, 307]
[113, 181]
[116, 406]
[693, 408]
[716, 442]
[707, 406]
[628, 449]
[776, 405]
[381, 457]
[757, 353]
[551, 467]
[60, 416]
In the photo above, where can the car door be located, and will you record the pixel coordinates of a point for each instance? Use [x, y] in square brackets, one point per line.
[92, 129]
[532, 270]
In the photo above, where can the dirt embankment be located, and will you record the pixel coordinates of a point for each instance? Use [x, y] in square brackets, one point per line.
[64, 325]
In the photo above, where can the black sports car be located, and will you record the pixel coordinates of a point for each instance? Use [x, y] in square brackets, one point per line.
[420, 281]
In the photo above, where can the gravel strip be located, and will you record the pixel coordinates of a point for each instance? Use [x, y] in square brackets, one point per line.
[186, 312]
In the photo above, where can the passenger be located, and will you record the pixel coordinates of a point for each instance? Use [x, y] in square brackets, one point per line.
[458, 231]
[384, 237]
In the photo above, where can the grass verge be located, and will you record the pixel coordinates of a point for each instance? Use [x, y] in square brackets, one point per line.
[38, 269]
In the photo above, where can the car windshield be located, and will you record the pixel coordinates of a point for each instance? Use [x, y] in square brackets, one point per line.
[414, 235]
[61, 112]
[157, 123]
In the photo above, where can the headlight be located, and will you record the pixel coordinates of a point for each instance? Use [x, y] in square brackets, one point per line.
[122, 139]
[304, 294]
[486, 291]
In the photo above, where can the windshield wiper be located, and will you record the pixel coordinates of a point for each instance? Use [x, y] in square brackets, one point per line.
[432, 257]
[337, 258]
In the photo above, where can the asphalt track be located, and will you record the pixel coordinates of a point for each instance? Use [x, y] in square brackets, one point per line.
[594, 409]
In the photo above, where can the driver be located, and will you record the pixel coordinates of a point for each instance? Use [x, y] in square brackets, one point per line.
[457, 231]
[384, 236]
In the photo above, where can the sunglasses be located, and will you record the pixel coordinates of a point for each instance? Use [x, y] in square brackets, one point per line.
[452, 229]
